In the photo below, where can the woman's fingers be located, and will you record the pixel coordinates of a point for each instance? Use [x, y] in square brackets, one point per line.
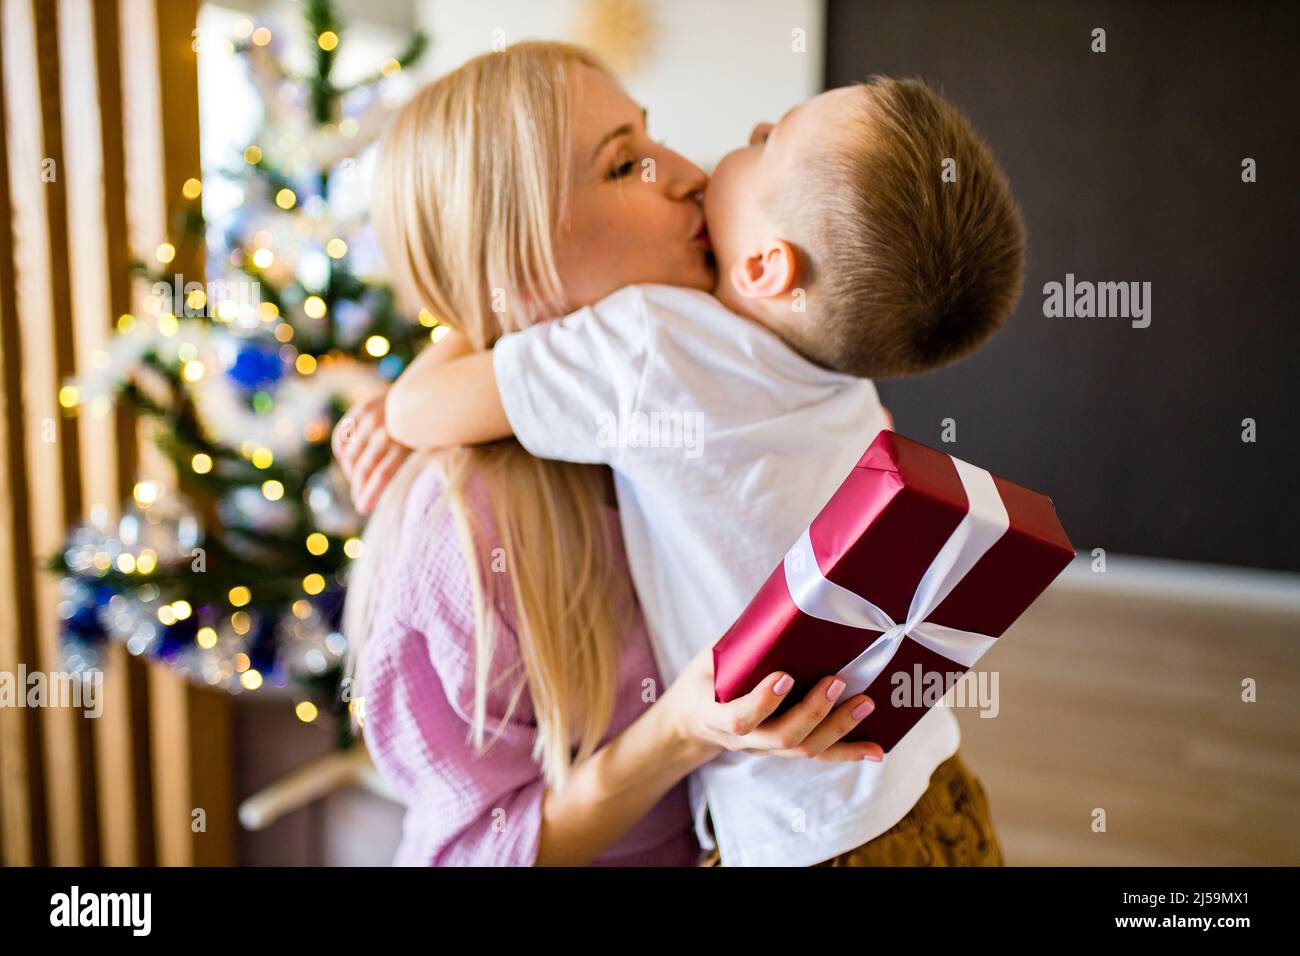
[789, 730]
[742, 715]
[852, 751]
[374, 483]
[826, 735]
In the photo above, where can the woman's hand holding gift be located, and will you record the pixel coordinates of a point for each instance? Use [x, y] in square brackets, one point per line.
[811, 728]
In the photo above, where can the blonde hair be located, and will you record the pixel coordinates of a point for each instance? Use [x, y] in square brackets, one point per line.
[472, 182]
[909, 272]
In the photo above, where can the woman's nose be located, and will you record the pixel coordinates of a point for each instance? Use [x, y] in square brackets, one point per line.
[687, 178]
[760, 133]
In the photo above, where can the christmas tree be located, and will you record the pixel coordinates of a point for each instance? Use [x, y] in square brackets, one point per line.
[234, 572]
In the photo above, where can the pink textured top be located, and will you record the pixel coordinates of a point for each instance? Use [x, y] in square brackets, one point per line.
[465, 809]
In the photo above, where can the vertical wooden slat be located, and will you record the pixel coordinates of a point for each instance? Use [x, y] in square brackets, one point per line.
[190, 726]
[21, 771]
[92, 117]
[39, 209]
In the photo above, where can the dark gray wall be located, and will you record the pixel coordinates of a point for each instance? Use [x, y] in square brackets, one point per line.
[1128, 167]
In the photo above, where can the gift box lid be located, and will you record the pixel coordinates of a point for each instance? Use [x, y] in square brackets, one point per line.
[898, 506]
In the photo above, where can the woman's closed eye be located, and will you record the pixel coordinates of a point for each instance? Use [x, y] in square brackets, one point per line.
[622, 167]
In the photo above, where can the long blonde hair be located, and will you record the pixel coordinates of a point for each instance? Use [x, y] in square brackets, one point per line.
[471, 184]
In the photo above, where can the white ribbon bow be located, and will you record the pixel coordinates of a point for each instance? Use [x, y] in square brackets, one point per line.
[985, 522]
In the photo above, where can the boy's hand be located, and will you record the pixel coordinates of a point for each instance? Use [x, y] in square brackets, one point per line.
[811, 728]
[367, 453]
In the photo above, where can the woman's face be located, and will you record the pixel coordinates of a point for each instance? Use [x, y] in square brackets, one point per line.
[635, 213]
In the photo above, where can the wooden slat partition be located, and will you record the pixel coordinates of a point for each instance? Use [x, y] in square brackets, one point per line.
[115, 81]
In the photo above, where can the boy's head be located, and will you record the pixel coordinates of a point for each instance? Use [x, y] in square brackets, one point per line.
[871, 228]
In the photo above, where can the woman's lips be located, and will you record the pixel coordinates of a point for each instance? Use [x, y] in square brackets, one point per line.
[702, 236]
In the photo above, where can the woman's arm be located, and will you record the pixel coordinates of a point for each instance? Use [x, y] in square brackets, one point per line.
[683, 730]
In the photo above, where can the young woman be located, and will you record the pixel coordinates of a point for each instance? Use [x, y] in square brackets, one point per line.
[492, 599]
[493, 593]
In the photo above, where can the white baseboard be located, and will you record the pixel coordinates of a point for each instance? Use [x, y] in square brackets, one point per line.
[1185, 582]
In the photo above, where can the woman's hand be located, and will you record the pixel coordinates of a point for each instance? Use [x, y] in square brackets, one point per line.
[367, 453]
[811, 728]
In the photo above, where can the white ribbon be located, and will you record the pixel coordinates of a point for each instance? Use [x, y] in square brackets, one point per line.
[985, 522]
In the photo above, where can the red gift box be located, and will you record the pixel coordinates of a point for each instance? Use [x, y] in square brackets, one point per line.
[914, 568]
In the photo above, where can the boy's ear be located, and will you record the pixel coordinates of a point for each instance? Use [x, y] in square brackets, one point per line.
[767, 273]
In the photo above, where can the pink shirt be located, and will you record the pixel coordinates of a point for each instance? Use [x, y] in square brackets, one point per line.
[465, 809]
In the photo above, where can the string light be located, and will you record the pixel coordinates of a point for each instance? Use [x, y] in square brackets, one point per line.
[427, 319]
[146, 562]
[377, 346]
[390, 67]
[244, 28]
[262, 458]
[165, 252]
[182, 610]
[206, 638]
[68, 396]
[253, 155]
[306, 711]
[168, 324]
[313, 584]
[301, 609]
[336, 248]
[263, 257]
[192, 188]
[440, 333]
[240, 623]
[251, 679]
[192, 371]
[317, 543]
[327, 40]
[314, 306]
[166, 615]
[283, 332]
[305, 363]
[285, 198]
[125, 322]
[261, 36]
[126, 562]
[353, 547]
[145, 493]
[240, 595]
[201, 463]
[272, 490]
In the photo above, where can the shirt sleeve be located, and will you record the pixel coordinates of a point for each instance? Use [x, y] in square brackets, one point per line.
[567, 384]
[463, 808]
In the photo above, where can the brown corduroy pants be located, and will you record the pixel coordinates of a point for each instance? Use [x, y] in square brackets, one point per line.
[949, 826]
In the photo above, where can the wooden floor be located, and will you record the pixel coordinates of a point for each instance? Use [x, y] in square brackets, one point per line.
[1134, 706]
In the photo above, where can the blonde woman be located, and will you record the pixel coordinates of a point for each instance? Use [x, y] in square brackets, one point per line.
[507, 685]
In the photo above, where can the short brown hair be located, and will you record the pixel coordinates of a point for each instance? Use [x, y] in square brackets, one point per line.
[905, 272]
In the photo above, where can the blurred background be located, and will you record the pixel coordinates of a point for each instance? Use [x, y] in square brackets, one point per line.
[189, 297]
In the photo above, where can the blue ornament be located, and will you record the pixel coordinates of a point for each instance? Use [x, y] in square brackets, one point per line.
[257, 366]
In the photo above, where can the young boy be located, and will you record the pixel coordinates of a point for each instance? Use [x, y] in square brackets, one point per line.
[869, 233]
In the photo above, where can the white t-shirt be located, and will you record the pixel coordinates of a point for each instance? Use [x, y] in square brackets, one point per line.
[725, 443]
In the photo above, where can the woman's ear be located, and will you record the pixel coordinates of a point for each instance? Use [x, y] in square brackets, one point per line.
[767, 273]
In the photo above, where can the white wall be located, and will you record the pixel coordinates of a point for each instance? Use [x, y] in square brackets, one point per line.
[714, 68]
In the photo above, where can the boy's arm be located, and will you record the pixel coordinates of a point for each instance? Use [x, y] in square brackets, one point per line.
[441, 401]
[558, 386]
